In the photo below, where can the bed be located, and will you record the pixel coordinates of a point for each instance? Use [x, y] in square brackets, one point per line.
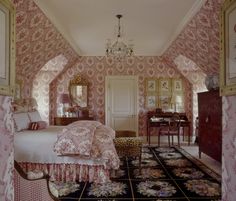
[44, 149]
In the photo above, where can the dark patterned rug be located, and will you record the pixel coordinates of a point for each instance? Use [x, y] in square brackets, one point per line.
[167, 174]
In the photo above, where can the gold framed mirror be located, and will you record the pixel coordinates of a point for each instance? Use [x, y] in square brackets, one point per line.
[78, 90]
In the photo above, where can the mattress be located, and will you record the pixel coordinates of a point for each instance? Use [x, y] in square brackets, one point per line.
[36, 146]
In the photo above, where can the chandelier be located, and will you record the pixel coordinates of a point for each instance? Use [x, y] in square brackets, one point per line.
[119, 50]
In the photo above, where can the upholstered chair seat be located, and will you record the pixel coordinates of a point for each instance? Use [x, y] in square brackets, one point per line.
[128, 145]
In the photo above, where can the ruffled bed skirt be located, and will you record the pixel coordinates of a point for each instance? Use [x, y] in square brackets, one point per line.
[70, 172]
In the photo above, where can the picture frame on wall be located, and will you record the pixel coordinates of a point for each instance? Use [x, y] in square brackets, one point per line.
[151, 101]
[165, 102]
[165, 85]
[151, 85]
[7, 48]
[177, 85]
[228, 48]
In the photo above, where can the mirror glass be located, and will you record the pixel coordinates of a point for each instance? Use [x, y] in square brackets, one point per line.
[79, 95]
[78, 90]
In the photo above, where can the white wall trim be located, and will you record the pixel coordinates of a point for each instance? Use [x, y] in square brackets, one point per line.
[190, 14]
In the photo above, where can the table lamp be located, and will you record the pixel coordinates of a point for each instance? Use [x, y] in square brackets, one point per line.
[64, 99]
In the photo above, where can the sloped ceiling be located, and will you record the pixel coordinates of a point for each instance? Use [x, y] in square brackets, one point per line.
[150, 24]
[200, 39]
[38, 41]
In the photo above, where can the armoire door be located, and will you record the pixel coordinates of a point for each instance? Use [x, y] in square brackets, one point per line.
[121, 102]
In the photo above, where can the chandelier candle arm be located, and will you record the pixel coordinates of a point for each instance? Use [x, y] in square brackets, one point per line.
[118, 50]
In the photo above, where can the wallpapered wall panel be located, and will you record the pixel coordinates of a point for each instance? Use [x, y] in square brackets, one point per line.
[6, 149]
[229, 149]
[37, 41]
[94, 69]
[41, 84]
[195, 76]
[199, 40]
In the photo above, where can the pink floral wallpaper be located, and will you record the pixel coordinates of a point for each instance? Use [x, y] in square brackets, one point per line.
[95, 69]
[191, 71]
[44, 77]
[229, 149]
[38, 41]
[199, 41]
[6, 149]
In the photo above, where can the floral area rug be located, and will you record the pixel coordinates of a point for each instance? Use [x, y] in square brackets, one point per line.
[167, 173]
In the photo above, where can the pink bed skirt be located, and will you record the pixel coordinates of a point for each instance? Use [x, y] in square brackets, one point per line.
[71, 172]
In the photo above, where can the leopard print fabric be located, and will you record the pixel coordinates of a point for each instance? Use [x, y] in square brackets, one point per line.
[128, 146]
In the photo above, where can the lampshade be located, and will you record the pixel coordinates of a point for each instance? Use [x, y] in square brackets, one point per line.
[33, 103]
[178, 99]
[64, 98]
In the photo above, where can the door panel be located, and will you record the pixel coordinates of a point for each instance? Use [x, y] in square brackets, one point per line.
[123, 123]
[121, 112]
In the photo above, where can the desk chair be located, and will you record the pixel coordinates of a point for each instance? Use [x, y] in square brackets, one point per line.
[31, 189]
[173, 129]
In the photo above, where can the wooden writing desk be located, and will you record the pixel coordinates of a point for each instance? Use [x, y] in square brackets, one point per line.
[163, 120]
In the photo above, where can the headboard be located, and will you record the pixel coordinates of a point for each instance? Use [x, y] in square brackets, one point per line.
[24, 105]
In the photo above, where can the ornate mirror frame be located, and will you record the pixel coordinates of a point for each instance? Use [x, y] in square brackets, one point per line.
[79, 81]
[7, 48]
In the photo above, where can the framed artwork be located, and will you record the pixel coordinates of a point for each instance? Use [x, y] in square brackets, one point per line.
[151, 101]
[165, 102]
[7, 48]
[177, 85]
[151, 85]
[228, 48]
[165, 85]
[166, 93]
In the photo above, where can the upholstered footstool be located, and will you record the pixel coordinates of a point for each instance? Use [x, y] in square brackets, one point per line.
[129, 147]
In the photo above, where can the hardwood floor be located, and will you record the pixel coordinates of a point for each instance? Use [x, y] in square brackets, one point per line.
[210, 162]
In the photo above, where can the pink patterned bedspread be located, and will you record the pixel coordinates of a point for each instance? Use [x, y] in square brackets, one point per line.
[89, 139]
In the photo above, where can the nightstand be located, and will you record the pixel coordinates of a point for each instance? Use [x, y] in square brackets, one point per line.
[63, 121]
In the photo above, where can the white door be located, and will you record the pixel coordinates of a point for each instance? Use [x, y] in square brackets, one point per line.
[121, 102]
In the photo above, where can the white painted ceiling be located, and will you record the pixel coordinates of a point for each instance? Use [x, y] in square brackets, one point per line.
[151, 24]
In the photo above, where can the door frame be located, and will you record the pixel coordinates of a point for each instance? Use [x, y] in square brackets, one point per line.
[107, 98]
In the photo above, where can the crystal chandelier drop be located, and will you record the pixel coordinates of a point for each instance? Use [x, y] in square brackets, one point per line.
[119, 50]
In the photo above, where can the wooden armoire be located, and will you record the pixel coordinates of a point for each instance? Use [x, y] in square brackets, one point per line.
[210, 124]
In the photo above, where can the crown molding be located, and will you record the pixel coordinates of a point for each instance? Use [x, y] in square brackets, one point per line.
[190, 14]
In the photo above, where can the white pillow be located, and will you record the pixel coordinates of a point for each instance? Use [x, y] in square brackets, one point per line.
[34, 116]
[21, 121]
